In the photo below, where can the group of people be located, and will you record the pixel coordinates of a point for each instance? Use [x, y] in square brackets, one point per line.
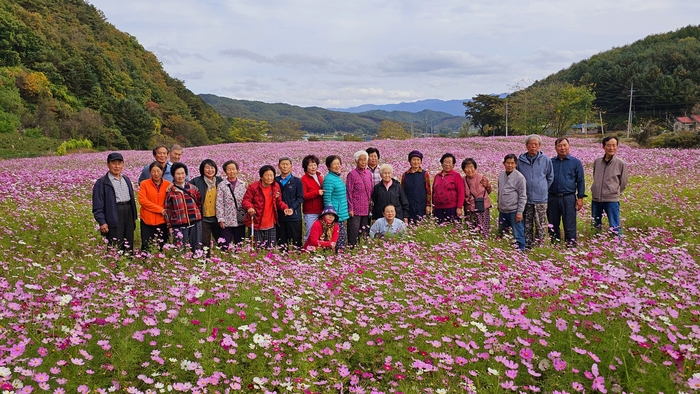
[535, 193]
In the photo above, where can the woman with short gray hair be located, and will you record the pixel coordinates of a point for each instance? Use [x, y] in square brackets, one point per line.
[389, 192]
[359, 195]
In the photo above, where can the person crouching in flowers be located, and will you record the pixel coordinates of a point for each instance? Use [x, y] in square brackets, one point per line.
[182, 213]
[324, 232]
[262, 200]
[389, 225]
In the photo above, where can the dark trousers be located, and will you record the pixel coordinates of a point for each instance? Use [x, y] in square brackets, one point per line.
[210, 230]
[232, 234]
[358, 227]
[265, 239]
[562, 209]
[122, 236]
[189, 235]
[289, 232]
[153, 234]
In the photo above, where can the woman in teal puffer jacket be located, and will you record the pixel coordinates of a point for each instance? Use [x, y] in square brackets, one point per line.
[336, 195]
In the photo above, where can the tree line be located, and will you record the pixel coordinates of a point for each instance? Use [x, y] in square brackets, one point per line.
[662, 71]
[66, 73]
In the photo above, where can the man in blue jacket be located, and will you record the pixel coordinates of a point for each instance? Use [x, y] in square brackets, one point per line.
[289, 227]
[114, 206]
[566, 193]
[539, 175]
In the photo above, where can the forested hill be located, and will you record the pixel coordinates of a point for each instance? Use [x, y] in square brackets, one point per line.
[322, 121]
[65, 72]
[663, 69]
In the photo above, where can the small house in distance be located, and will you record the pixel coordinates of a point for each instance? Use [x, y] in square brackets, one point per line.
[687, 123]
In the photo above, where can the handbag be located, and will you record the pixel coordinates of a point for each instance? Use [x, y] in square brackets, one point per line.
[479, 202]
[240, 212]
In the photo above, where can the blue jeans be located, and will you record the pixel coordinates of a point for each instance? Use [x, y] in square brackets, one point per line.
[309, 219]
[506, 220]
[612, 211]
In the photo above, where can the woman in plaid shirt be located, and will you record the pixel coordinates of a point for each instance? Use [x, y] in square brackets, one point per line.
[182, 212]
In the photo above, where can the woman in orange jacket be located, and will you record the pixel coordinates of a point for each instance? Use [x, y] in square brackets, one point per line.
[152, 198]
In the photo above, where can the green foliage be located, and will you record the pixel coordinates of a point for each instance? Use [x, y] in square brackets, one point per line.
[59, 58]
[33, 132]
[351, 137]
[9, 123]
[286, 130]
[134, 122]
[465, 130]
[389, 130]
[248, 130]
[484, 112]
[663, 69]
[73, 144]
[14, 145]
[679, 140]
[644, 130]
[550, 107]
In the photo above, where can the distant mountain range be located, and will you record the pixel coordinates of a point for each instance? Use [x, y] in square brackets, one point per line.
[452, 107]
[324, 121]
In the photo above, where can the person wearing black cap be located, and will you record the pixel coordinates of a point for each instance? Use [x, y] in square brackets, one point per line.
[416, 185]
[114, 206]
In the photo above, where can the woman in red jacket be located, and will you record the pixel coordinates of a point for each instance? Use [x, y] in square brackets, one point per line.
[262, 200]
[312, 182]
[324, 232]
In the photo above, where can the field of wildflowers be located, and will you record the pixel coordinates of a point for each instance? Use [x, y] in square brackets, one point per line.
[441, 310]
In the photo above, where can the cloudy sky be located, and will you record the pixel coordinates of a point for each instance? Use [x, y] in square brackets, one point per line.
[331, 53]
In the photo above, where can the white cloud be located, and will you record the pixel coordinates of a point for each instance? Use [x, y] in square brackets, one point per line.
[316, 52]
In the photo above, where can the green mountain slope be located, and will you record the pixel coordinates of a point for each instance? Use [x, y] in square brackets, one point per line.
[65, 72]
[322, 121]
[663, 69]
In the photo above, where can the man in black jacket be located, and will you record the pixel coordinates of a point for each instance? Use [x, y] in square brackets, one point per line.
[289, 227]
[114, 206]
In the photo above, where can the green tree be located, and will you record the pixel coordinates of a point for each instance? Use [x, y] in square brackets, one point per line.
[248, 130]
[573, 105]
[390, 130]
[464, 130]
[484, 112]
[286, 130]
[9, 123]
[188, 130]
[134, 123]
[550, 106]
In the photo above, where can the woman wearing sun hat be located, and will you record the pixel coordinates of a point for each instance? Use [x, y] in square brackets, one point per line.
[324, 232]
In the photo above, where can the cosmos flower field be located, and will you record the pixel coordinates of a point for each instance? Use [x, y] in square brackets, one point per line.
[439, 311]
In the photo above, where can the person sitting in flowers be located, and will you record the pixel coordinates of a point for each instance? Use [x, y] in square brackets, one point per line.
[324, 232]
[388, 225]
[262, 200]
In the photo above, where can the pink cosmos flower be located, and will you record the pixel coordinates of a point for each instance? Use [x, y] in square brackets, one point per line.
[526, 353]
[694, 383]
[41, 377]
[561, 324]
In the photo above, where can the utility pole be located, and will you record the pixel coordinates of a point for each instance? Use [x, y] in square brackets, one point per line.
[629, 117]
